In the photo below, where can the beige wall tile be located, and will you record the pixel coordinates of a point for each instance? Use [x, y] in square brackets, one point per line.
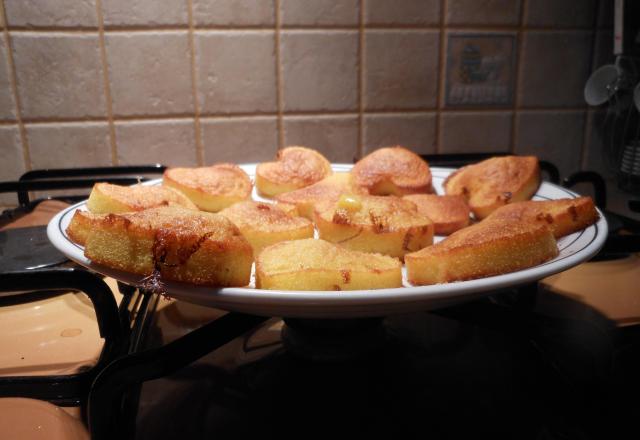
[475, 132]
[553, 136]
[598, 155]
[414, 131]
[603, 49]
[236, 71]
[169, 142]
[554, 68]
[319, 70]
[415, 12]
[7, 103]
[59, 75]
[239, 140]
[485, 12]
[234, 12]
[144, 12]
[401, 69]
[319, 12]
[560, 13]
[11, 160]
[334, 136]
[58, 13]
[2, 20]
[150, 73]
[77, 144]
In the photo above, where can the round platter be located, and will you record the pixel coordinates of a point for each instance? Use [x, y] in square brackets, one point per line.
[574, 249]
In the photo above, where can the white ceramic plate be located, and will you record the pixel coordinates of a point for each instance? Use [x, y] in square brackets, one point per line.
[574, 249]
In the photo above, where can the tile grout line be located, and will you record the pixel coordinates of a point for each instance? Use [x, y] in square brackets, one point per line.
[26, 152]
[517, 78]
[107, 87]
[361, 79]
[279, 81]
[441, 78]
[194, 88]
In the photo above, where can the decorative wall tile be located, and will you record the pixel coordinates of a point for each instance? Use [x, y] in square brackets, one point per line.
[555, 67]
[7, 103]
[319, 12]
[77, 144]
[234, 12]
[334, 136]
[556, 13]
[59, 75]
[401, 69]
[402, 12]
[57, 13]
[484, 12]
[144, 12]
[413, 131]
[475, 132]
[319, 70]
[246, 139]
[170, 142]
[11, 160]
[236, 71]
[480, 69]
[150, 73]
[553, 136]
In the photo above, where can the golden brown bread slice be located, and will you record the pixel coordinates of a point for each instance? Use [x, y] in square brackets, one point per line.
[106, 198]
[491, 247]
[393, 171]
[448, 213]
[318, 265]
[211, 188]
[327, 190]
[563, 216]
[383, 224]
[495, 182]
[264, 224]
[294, 168]
[182, 245]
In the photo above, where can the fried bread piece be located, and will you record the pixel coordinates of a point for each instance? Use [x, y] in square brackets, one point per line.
[448, 213]
[180, 244]
[386, 225]
[294, 168]
[491, 247]
[211, 188]
[106, 198]
[319, 265]
[393, 171]
[495, 182]
[327, 190]
[563, 216]
[264, 224]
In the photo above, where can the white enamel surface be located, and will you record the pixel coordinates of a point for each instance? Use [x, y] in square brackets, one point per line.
[574, 249]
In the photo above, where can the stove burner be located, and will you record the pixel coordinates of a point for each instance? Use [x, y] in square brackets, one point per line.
[27, 248]
[333, 340]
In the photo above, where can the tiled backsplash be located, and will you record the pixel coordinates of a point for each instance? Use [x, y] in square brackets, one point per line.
[192, 82]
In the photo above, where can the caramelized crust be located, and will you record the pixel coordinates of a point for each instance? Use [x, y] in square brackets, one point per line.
[448, 213]
[393, 170]
[491, 247]
[294, 168]
[264, 224]
[326, 191]
[182, 245]
[210, 188]
[387, 225]
[318, 265]
[495, 182]
[106, 198]
[563, 217]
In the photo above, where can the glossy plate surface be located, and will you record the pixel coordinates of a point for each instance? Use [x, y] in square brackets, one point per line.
[574, 249]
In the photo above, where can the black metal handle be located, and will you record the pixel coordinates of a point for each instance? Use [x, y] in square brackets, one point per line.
[122, 374]
[596, 181]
